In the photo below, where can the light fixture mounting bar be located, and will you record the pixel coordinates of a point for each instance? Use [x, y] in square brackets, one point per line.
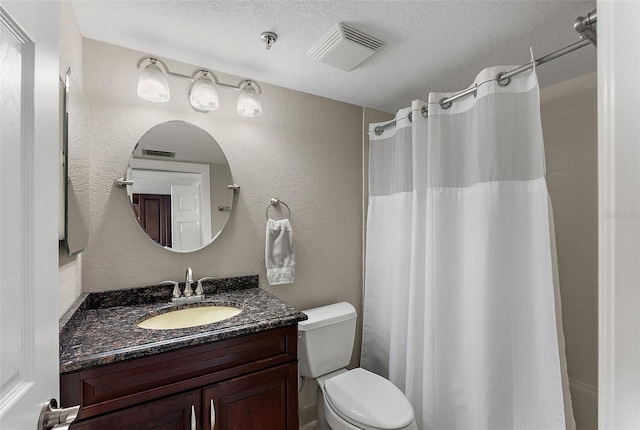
[178, 75]
[203, 95]
[238, 86]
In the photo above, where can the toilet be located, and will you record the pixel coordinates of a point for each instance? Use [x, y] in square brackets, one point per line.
[347, 399]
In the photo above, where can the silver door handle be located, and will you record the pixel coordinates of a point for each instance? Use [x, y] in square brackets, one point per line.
[213, 415]
[54, 418]
[193, 417]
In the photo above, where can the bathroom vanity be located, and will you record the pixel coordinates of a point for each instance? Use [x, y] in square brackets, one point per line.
[239, 373]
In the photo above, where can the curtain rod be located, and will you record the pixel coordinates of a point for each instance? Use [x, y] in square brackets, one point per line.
[583, 25]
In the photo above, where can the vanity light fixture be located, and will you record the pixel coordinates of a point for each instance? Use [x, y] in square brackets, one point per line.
[152, 83]
[249, 104]
[203, 93]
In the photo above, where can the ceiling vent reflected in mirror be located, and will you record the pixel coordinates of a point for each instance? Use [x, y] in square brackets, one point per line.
[345, 48]
[158, 153]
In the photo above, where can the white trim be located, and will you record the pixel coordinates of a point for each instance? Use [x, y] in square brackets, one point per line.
[205, 185]
[21, 383]
[20, 390]
[619, 214]
[606, 234]
[29, 183]
[38, 228]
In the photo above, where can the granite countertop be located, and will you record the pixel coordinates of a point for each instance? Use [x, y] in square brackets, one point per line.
[101, 328]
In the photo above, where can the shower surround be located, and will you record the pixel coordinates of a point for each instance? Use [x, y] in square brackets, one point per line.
[569, 125]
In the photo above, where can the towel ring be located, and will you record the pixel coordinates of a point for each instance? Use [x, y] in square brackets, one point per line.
[274, 202]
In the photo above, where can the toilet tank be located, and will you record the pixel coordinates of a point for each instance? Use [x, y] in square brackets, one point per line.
[325, 340]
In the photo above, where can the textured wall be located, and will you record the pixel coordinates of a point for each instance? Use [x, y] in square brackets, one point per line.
[305, 150]
[569, 126]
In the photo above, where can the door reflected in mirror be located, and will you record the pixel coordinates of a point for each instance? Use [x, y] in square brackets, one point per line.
[180, 195]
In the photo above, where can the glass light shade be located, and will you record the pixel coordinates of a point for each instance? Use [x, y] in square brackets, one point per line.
[153, 85]
[249, 104]
[203, 94]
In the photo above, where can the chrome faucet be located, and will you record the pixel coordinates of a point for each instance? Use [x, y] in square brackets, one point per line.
[176, 288]
[188, 292]
[188, 296]
[200, 287]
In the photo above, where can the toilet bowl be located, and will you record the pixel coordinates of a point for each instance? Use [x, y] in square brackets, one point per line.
[347, 399]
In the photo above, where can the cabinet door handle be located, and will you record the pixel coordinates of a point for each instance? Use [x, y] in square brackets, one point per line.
[193, 417]
[213, 415]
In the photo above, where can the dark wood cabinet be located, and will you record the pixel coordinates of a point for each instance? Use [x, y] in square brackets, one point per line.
[251, 379]
[259, 401]
[172, 413]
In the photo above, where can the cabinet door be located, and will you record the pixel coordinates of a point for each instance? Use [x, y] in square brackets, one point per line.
[179, 412]
[265, 400]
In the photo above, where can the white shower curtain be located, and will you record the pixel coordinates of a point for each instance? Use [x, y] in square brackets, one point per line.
[460, 307]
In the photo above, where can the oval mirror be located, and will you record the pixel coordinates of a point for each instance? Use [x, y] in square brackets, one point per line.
[180, 195]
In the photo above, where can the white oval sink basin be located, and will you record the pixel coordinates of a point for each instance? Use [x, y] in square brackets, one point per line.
[190, 317]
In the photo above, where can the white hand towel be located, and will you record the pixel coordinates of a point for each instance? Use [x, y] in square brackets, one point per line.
[280, 255]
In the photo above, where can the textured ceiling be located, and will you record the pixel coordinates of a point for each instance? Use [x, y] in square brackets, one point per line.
[435, 46]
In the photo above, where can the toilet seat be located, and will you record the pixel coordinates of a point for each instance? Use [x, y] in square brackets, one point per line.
[368, 401]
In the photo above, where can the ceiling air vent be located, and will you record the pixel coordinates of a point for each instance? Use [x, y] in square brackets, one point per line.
[345, 48]
[158, 153]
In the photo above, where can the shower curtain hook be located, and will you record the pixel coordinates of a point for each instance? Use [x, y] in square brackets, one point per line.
[499, 79]
[446, 105]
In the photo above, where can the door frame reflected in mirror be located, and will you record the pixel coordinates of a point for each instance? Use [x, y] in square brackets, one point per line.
[167, 169]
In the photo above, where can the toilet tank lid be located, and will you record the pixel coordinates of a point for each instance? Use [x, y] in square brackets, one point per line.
[325, 315]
